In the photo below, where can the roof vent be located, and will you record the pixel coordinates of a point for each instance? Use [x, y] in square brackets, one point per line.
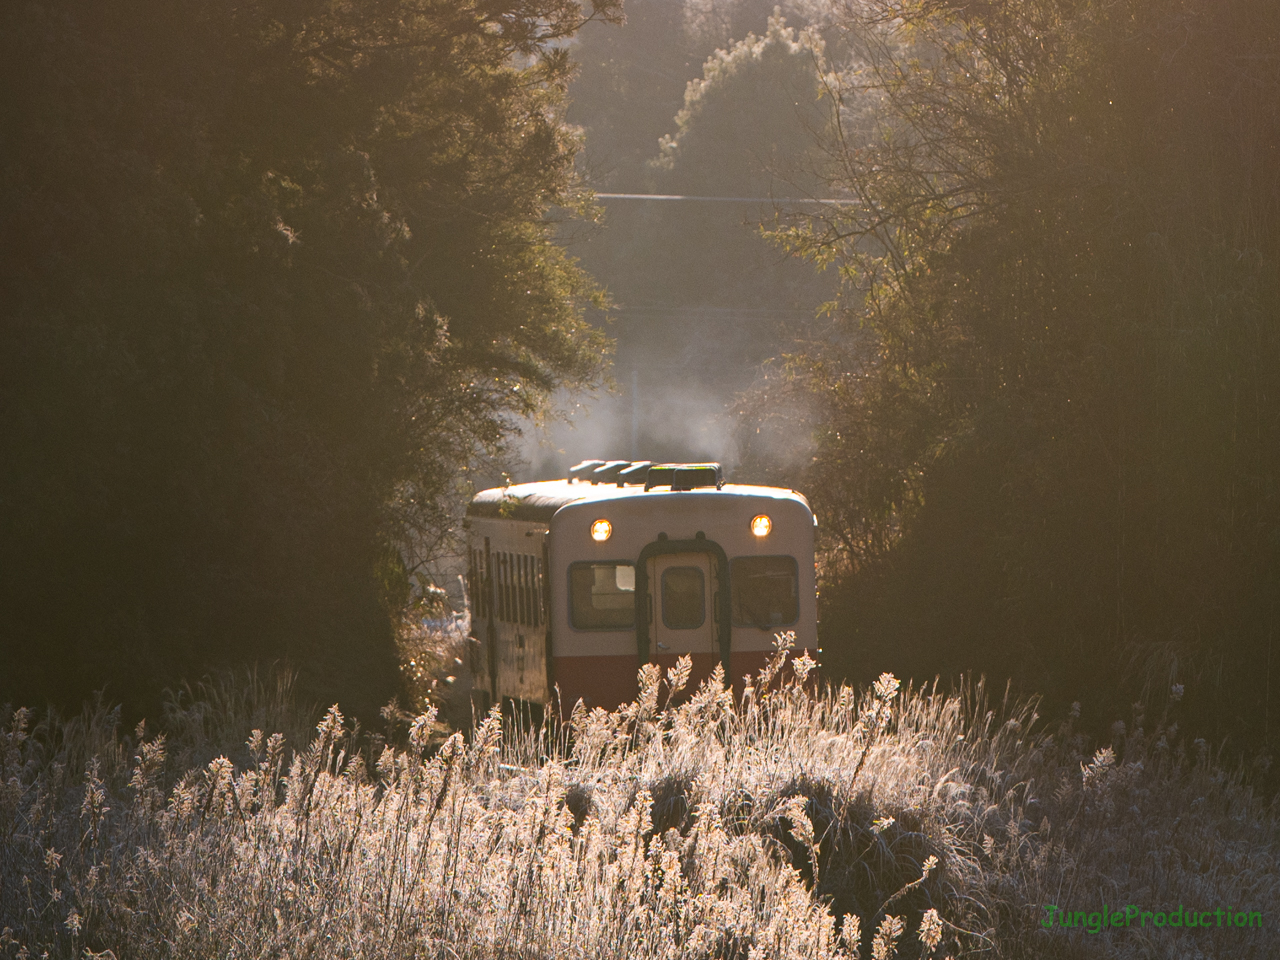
[583, 470]
[608, 473]
[684, 476]
[638, 472]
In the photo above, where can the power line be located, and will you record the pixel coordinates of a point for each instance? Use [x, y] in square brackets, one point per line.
[713, 314]
[672, 196]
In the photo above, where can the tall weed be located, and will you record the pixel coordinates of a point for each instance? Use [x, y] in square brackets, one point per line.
[789, 821]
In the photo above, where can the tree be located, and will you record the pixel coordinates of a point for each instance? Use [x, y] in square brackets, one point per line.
[632, 79]
[273, 275]
[1055, 446]
[747, 129]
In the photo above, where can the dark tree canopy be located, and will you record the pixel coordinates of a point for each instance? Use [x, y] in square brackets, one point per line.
[748, 128]
[272, 273]
[1054, 451]
[633, 79]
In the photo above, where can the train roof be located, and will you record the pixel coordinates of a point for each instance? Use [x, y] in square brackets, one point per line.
[538, 502]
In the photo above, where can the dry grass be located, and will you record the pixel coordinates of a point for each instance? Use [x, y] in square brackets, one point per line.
[433, 656]
[788, 823]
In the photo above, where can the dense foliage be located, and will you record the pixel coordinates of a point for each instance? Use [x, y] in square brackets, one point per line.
[1052, 449]
[271, 274]
[633, 79]
[748, 128]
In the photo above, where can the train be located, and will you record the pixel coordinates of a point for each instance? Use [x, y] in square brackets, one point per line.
[574, 583]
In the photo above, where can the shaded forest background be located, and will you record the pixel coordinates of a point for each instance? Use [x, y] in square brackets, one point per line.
[274, 274]
[1039, 413]
[1050, 442]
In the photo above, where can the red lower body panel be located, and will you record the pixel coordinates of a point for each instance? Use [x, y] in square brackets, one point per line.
[596, 681]
[610, 681]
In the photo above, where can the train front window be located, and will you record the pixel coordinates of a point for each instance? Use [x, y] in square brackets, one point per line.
[684, 598]
[602, 596]
[766, 591]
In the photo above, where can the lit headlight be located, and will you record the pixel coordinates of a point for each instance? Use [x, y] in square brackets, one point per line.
[761, 525]
[601, 530]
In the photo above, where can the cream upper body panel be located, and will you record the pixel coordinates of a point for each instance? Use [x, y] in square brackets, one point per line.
[638, 518]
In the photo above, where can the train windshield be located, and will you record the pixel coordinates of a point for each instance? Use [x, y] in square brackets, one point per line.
[684, 593]
[602, 596]
[766, 591]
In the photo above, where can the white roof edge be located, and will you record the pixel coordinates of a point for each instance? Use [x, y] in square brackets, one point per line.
[577, 492]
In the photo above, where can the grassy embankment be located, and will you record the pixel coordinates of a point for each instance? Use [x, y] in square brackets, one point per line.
[791, 823]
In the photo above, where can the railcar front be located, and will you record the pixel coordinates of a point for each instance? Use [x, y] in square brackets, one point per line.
[575, 584]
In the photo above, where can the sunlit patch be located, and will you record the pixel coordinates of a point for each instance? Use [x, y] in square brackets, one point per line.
[761, 525]
[601, 530]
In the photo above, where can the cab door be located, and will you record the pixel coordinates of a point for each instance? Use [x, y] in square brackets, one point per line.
[683, 605]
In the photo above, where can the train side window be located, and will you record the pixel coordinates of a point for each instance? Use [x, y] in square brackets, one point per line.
[684, 598]
[521, 610]
[504, 585]
[517, 583]
[602, 596]
[474, 578]
[766, 591]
